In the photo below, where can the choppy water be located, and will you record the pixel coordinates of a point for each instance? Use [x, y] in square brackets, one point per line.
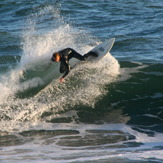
[110, 112]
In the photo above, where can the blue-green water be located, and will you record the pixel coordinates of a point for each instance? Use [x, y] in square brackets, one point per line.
[108, 112]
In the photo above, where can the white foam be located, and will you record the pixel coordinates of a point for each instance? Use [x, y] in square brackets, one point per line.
[82, 86]
[126, 72]
[46, 147]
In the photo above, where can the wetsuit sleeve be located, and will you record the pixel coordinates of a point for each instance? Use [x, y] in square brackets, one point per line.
[64, 68]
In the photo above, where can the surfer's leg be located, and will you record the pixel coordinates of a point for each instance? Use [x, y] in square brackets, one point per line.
[78, 56]
[83, 58]
[90, 54]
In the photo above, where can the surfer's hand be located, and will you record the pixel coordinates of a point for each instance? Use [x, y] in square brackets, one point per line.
[61, 80]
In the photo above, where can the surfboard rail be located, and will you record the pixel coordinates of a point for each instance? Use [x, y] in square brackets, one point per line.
[102, 49]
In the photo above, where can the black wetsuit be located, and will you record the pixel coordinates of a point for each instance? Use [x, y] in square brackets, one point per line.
[66, 55]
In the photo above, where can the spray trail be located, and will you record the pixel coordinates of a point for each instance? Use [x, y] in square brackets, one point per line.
[82, 87]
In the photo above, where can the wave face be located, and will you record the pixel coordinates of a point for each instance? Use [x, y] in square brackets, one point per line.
[110, 111]
[36, 78]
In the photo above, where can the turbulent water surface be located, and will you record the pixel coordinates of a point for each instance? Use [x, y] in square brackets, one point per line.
[106, 112]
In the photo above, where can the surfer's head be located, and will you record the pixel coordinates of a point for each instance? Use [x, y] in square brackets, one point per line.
[56, 57]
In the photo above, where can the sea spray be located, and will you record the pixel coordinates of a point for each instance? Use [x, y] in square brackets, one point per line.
[83, 85]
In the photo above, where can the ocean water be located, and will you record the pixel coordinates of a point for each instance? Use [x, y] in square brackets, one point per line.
[108, 112]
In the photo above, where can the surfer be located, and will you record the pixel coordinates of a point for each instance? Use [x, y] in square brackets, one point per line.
[64, 56]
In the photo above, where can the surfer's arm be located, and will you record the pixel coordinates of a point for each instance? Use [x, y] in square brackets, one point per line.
[66, 73]
[64, 68]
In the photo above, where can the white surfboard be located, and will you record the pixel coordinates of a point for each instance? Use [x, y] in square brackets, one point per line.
[101, 49]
